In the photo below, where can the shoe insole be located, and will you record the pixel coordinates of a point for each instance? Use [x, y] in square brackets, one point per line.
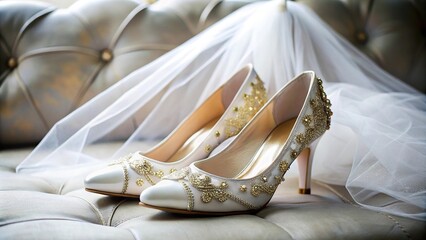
[193, 142]
[268, 151]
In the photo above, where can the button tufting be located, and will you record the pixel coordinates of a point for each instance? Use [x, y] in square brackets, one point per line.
[361, 36]
[12, 63]
[106, 55]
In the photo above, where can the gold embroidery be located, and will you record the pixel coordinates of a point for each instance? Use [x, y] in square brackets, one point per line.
[278, 179]
[208, 148]
[326, 103]
[317, 122]
[217, 134]
[241, 201]
[190, 195]
[315, 125]
[121, 160]
[126, 179]
[139, 182]
[159, 173]
[172, 170]
[264, 187]
[252, 103]
[283, 166]
[209, 191]
[176, 175]
[294, 154]
[144, 168]
[307, 120]
[300, 138]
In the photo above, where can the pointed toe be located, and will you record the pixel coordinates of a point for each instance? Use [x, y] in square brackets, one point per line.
[167, 194]
[109, 179]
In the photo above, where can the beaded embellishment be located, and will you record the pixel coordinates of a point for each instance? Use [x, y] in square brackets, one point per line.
[203, 184]
[141, 167]
[122, 161]
[317, 122]
[243, 114]
[210, 192]
[144, 168]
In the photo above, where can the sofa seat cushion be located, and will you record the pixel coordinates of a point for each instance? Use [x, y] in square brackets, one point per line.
[34, 207]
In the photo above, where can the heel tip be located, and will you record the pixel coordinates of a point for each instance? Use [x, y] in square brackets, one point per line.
[304, 191]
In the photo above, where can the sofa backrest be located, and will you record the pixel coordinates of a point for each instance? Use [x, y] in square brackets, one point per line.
[54, 60]
[392, 33]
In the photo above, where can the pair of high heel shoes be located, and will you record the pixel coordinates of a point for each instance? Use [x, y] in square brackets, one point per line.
[201, 168]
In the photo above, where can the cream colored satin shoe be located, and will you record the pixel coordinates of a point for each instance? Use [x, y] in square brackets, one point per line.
[243, 177]
[220, 117]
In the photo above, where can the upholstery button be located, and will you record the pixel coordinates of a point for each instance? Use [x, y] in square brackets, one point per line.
[106, 55]
[361, 36]
[12, 63]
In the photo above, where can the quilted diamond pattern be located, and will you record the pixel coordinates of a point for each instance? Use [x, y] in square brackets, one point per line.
[54, 60]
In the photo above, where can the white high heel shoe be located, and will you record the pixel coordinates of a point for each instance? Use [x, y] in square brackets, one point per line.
[220, 117]
[244, 176]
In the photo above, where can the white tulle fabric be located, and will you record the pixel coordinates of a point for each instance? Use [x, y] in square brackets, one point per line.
[376, 146]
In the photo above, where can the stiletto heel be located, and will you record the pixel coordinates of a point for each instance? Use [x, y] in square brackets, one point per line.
[244, 176]
[220, 117]
[304, 161]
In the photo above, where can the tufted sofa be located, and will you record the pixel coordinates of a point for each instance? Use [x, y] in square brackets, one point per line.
[54, 60]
